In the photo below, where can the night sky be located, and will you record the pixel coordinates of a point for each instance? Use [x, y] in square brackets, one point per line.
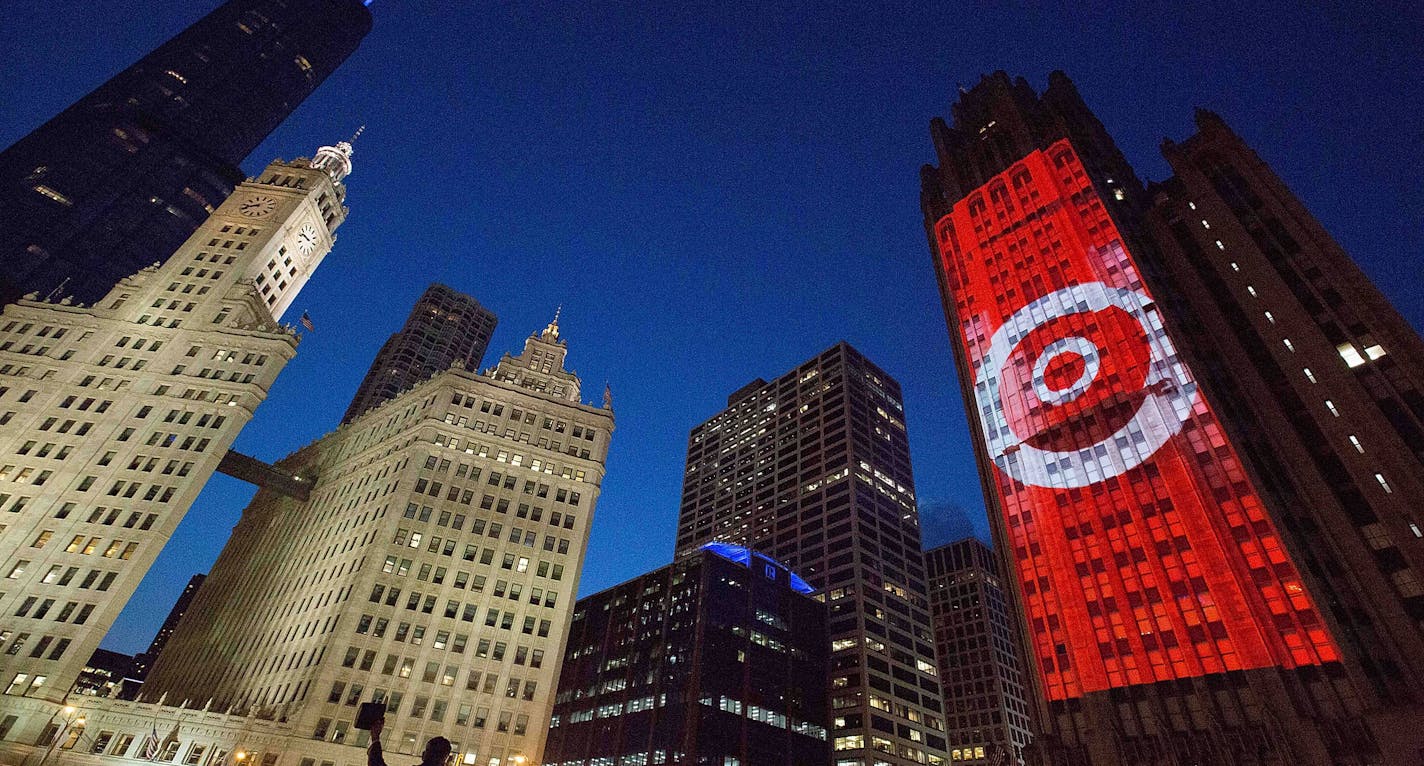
[717, 192]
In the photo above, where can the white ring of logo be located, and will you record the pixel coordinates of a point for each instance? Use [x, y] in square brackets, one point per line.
[1171, 391]
[1070, 345]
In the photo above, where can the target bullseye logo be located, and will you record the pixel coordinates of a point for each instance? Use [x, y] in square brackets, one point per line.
[1167, 392]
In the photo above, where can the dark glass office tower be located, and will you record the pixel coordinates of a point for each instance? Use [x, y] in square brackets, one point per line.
[144, 660]
[813, 469]
[121, 178]
[986, 708]
[1198, 433]
[718, 658]
[445, 326]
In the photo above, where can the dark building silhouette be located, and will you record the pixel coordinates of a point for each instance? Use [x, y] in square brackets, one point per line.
[120, 179]
[104, 675]
[1198, 426]
[985, 700]
[813, 469]
[717, 658]
[144, 660]
[444, 327]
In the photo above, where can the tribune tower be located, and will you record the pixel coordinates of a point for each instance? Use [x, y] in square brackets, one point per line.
[1208, 569]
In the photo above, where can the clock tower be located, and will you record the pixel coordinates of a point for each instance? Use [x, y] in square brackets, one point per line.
[245, 265]
[115, 415]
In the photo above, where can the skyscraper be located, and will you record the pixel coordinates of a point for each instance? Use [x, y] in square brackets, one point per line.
[444, 327]
[719, 657]
[986, 707]
[116, 415]
[434, 567]
[122, 177]
[1208, 565]
[145, 660]
[813, 469]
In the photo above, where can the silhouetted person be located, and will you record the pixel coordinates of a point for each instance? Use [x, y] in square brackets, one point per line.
[437, 750]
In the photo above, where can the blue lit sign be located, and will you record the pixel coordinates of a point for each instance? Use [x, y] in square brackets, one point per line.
[739, 554]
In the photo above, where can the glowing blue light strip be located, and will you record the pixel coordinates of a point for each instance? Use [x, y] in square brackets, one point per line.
[739, 554]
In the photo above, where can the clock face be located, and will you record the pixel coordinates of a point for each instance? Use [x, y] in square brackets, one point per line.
[257, 207]
[306, 239]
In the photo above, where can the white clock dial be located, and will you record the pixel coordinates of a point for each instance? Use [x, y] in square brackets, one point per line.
[257, 207]
[307, 239]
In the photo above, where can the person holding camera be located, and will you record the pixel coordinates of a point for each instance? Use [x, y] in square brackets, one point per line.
[437, 750]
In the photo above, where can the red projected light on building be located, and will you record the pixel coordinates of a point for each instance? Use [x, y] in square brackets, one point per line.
[1144, 552]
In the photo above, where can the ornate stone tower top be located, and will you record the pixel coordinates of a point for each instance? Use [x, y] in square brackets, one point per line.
[551, 330]
[541, 365]
[336, 160]
[247, 262]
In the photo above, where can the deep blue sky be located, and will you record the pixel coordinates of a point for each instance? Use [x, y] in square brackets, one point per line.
[716, 192]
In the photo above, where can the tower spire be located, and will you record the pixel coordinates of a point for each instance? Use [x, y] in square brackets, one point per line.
[336, 160]
[552, 329]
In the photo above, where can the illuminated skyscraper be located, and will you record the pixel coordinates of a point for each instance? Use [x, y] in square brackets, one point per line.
[114, 416]
[444, 327]
[1208, 568]
[813, 469]
[122, 177]
[986, 710]
[717, 658]
[433, 567]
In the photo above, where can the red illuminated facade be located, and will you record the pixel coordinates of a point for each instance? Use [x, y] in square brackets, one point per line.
[1200, 431]
[1144, 553]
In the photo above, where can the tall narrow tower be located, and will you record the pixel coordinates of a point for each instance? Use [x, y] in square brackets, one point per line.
[122, 177]
[444, 327]
[114, 416]
[813, 469]
[1204, 574]
[986, 710]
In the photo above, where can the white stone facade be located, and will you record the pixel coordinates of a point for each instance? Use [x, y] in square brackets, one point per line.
[113, 417]
[110, 732]
[435, 566]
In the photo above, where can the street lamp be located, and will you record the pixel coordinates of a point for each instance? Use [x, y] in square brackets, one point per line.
[72, 718]
[241, 757]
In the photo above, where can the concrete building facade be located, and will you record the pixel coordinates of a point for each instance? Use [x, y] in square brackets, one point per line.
[813, 469]
[433, 568]
[114, 416]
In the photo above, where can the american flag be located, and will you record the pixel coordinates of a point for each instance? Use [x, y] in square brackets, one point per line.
[150, 745]
[307, 322]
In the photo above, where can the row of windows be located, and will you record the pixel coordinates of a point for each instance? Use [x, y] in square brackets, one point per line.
[20, 328]
[494, 618]
[401, 567]
[484, 649]
[519, 436]
[528, 418]
[163, 439]
[456, 521]
[466, 715]
[403, 667]
[41, 607]
[446, 546]
[37, 650]
[59, 574]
